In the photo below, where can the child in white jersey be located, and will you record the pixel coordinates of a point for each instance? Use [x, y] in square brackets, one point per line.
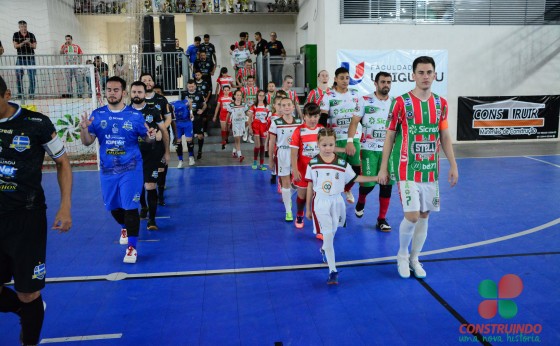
[327, 175]
[237, 112]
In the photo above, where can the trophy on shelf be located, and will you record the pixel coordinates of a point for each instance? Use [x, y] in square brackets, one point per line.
[230, 7]
[238, 6]
[203, 7]
[217, 6]
[192, 6]
[181, 6]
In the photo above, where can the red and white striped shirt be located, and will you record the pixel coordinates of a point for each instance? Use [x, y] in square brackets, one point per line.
[260, 113]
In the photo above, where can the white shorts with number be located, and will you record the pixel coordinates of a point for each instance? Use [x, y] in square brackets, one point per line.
[283, 162]
[329, 213]
[419, 196]
[238, 128]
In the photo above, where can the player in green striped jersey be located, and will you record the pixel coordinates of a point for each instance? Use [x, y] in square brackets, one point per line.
[416, 128]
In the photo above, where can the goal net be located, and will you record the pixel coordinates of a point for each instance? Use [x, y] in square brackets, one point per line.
[63, 93]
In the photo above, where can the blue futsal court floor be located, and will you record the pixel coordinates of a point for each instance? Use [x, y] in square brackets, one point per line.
[225, 269]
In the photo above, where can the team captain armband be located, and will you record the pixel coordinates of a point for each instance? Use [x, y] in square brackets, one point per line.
[55, 148]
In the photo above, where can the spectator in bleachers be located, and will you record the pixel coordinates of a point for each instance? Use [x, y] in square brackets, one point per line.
[25, 44]
[275, 49]
[102, 69]
[261, 43]
[72, 56]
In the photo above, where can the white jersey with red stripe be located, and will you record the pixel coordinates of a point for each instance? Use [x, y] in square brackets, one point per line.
[260, 113]
[284, 131]
[329, 178]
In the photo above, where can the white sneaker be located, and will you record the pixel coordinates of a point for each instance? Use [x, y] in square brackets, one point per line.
[349, 197]
[245, 137]
[191, 161]
[416, 267]
[123, 240]
[180, 164]
[251, 140]
[403, 266]
[130, 255]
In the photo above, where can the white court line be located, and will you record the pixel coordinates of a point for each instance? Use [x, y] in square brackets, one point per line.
[543, 161]
[81, 338]
[310, 266]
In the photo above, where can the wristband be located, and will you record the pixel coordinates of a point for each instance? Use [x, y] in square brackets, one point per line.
[350, 140]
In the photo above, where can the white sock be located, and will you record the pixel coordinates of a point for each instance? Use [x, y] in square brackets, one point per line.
[419, 238]
[239, 153]
[287, 199]
[328, 247]
[406, 231]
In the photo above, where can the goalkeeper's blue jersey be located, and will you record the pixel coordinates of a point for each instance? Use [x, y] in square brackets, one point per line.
[181, 109]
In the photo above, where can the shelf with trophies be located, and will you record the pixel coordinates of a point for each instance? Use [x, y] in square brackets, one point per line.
[278, 7]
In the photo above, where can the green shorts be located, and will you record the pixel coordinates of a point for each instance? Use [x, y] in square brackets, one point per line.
[371, 161]
[353, 160]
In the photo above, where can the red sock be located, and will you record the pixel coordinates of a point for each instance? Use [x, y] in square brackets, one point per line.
[255, 153]
[300, 205]
[348, 187]
[261, 152]
[383, 206]
[224, 137]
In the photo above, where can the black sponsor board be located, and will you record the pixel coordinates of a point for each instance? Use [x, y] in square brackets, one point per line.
[508, 117]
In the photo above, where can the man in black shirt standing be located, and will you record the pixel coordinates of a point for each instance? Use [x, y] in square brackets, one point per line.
[209, 48]
[25, 44]
[261, 43]
[276, 52]
[25, 136]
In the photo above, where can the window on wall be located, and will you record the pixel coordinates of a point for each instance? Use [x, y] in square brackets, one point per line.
[462, 12]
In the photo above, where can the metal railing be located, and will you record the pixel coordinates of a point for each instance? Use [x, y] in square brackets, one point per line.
[275, 68]
[167, 69]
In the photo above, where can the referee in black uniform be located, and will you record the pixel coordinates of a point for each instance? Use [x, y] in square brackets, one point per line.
[25, 136]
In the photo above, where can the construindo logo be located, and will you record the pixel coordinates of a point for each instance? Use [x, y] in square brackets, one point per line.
[499, 298]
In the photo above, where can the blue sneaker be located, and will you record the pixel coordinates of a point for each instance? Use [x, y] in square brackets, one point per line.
[323, 255]
[333, 278]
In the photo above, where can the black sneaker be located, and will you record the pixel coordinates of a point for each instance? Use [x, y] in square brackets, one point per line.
[161, 201]
[143, 213]
[199, 155]
[152, 225]
[273, 179]
[333, 278]
[266, 154]
[382, 225]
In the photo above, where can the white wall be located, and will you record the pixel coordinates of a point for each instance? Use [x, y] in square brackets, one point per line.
[312, 13]
[34, 13]
[483, 60]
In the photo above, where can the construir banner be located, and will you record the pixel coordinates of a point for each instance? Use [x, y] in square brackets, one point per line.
[508, 117]
[365, 64]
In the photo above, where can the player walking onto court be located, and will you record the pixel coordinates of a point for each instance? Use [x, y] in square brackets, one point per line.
[197, 101]
[275, 114]
[249, 97]
[281, 131]
[222, 108]
[373, 118]
[258, 115]
[270, 93]
[152, 153]
[304, 147]
[287, 85]
[184, 125]
[160, 102]
[316, 94]
[337, 109]
[25, 136]
[417, 127]
[245, 72]
[327, 175]
[117, 128]
[223, 80]
[238, 114]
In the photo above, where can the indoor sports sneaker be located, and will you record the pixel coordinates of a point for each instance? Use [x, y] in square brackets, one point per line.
[191, 161]
[123, 240]
[263, 168]
[333, 278]
[299, 221]
[349, 197]
[359, 213]
[289, 216]
[234, 155]
[152, 225]
[254, 165]
[130, 255]
[199, 155]
[417, 268]
[319, 236]
[251, 140]
[323, 255]
[272, 179]
[403, 266]
[382, 225]
[180, 164]
[241, 158]
[143, 213]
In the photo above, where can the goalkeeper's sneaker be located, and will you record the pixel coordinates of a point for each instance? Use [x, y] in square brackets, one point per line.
[123, 240]
[254, 165]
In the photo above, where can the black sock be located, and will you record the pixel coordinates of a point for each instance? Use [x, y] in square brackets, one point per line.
[162, 176]
[9, 301]
[190, 148]
[179, 149]
[118, 215]
[132, 222]
[152, 203]
[200, 144]
[143, 198]
[32, 315]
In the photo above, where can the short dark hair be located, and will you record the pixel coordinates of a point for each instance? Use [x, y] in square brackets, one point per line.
[145, 74]
[118, 79]
[249, 60]
[191, 81]
[423, 60]
[3, 87]
[138, 83]
[341, 70]
[223, 70]
[206, 36]
[241, 43]
[311, 109]
[250, 77]
[197, 71]
[197, 39]
[22, 22]
[258, 33]
[226, 86]
[381, 74]
[157, 86]
[242, 34]
[69, 36]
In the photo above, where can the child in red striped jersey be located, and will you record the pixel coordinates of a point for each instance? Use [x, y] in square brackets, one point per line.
[223, 80]
[327, 175]
[258, 118]
[304, 147]
[222, 108]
